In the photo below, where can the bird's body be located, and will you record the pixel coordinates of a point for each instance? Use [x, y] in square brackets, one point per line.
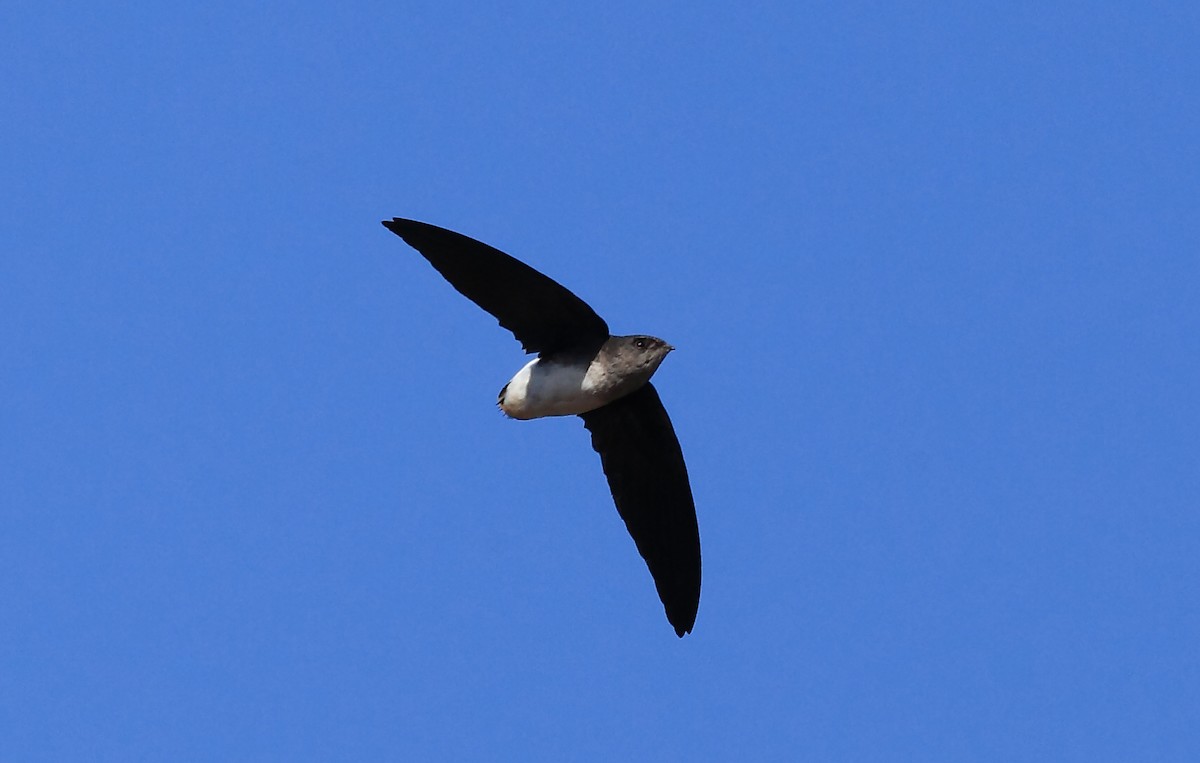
[546, 388]
[583, 370]
[573, 384]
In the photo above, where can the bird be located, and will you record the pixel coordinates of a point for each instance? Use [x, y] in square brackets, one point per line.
[583, 370]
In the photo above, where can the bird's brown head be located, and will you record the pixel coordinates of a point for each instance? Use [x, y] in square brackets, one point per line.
[637, 355]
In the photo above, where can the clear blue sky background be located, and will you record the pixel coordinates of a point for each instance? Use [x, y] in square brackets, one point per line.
[934, 275]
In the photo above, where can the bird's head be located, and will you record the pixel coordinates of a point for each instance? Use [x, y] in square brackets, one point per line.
[638, 354]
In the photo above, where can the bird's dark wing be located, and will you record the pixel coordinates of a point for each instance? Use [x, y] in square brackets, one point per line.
[649, 482]
[543, 315]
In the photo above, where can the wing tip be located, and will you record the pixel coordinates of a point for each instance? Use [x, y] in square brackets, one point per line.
[411, 231]
[683, 623]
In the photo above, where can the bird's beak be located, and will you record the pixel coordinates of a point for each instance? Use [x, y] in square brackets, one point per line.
[670, 348]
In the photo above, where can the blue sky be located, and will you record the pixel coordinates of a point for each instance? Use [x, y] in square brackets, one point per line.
[933, 274]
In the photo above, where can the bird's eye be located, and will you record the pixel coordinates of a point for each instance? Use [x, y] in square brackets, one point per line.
[640, 344]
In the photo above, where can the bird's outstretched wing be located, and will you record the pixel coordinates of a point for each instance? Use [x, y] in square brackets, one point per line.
[543, 315]
[649, 482]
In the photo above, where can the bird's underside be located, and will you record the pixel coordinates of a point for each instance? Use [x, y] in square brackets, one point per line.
[629, 426]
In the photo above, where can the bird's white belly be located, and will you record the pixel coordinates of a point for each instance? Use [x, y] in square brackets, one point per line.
[551, 389]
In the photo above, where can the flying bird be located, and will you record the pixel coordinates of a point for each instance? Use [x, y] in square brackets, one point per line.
[582, 370]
